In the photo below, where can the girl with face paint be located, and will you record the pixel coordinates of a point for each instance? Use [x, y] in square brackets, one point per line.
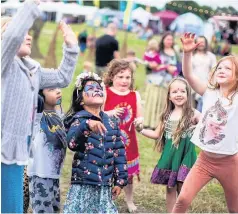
[99, 169]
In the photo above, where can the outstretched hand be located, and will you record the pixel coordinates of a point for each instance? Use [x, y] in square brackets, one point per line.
[68, 34]
[188, 42]
[117, 112]
[97, 127]
[138, 122]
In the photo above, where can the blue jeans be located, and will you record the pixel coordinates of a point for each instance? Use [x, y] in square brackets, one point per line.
[11, 188]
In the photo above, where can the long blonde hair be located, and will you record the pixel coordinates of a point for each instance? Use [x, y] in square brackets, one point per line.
[215, 86]
[4, 21]
[184, 122]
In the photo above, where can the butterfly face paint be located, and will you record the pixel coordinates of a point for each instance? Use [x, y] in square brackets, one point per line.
[93, 90]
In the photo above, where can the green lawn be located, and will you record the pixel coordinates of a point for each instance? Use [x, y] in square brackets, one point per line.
[149, 198]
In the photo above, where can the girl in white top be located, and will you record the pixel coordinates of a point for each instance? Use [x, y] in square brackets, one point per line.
[216, 133]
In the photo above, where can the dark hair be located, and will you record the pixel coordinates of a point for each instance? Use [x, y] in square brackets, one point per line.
[41, 94]
[40, 101]
[161, 44]
[206, 43]
[77, 98]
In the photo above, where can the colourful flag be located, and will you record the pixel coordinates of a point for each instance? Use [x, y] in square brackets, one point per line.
[122, 5]
[127, 13]
[96, 3]
[80, 2]
[147, 9]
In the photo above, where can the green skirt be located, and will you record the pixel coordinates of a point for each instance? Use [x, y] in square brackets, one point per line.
[174, 163]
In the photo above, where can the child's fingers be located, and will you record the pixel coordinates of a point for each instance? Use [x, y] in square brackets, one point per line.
[189, 35]
[181, 39]
[196, 45]
[101, 128]
[193, 36]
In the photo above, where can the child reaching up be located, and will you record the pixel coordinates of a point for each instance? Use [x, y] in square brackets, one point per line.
[173, 140]
[47, 155]
[99, 169]
[216, 133]
[22, 78]
[125, 103]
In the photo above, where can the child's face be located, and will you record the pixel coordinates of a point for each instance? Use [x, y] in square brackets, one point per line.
[25, 48]
[53, 96]
[122, 80]
[224, 74]
[178, 93]
[93, 94]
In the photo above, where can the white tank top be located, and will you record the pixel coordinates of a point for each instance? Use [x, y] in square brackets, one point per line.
[217, 131]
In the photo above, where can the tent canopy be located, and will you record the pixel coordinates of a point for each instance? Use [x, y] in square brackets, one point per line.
[188, 22]
[166, 16]
[142, 16]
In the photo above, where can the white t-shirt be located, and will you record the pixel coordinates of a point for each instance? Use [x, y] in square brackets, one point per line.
[217, 130]
[202, 65]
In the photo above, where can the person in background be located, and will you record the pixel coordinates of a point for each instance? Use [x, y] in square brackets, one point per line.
[107, 48]
[82, 40]
[202, 61]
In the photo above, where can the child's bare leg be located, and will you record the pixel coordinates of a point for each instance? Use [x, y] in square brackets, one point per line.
[179, 187]
[171, 196]
[129, 198]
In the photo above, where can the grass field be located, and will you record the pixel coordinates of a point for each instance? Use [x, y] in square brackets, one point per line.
[149, 198]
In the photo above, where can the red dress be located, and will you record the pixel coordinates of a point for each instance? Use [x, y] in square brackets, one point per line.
[129, 103]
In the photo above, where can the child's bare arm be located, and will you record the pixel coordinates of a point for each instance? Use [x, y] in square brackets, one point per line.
[196, 117]
[139, 112]
[189, 46]
[116, 112]
[153, 134]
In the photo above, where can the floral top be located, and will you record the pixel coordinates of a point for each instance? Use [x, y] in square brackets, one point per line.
[98, 160]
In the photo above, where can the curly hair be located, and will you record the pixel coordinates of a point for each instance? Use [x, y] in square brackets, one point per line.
[116, 66]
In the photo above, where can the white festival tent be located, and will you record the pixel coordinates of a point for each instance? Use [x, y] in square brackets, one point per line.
[142, 16]
[59, 8]
[188, 22]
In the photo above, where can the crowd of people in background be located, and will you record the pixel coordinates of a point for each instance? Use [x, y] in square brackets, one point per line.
[106, 112]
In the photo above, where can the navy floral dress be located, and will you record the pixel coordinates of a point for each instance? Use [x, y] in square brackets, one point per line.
[99, 164]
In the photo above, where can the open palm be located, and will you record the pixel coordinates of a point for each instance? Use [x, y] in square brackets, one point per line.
[188, 42]
[69, 36]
